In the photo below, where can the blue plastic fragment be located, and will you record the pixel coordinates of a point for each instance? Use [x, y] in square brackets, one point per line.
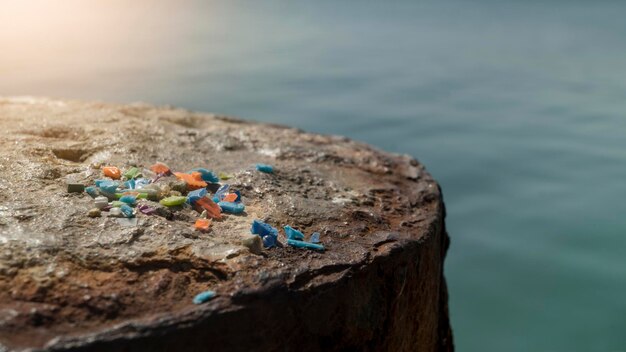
[193, 196]
[269, 241]
[130, 200]
[268, 169]
[238, 196]
[268, 233]
[130, 184]
[231, 207]
[92, 191]
[127, 211]
[315, 237]
[221, 192]
[216, 199]
[107, 186]
[263, 229]
[293, 234]
[142, 182]
[207, 175]
[204, 297]
[302, 244]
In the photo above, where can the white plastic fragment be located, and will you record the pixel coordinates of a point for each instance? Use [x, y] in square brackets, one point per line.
[101, 202]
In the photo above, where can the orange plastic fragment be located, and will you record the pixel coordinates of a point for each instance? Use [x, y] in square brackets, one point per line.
[160, 168]
[202, 224]
[194, 181]
[230, 197]
[213, 210]
[112, 172]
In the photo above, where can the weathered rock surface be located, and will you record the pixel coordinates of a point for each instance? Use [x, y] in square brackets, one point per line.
[73, 282]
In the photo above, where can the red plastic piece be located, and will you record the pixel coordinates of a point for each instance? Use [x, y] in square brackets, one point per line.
[212, 209]
[112, 172]
[230, 197]
[193, 180]
[160, 168]
[202, 224]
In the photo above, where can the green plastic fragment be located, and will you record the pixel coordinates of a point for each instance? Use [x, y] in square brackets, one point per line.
[224, 176]
[75, 188]
[142, 193]
[131, 173]
[116, 204]
[173, 201]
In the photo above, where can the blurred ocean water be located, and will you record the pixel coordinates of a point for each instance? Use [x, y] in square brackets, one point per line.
[517, 108]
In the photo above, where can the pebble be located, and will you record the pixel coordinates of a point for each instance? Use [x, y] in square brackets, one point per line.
[94, 213]
[254, 243]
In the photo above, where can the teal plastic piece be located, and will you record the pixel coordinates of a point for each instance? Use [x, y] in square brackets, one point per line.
[204, 297]
[293, 234]
[233, 208]
[127, 211]
[268, 169]
[207, 175]
[130, 184]
[92, 191]
[108, 186]
[130, 200]
[302, 244]
[99, 182]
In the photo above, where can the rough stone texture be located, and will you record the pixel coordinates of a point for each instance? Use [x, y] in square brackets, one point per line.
[72, 282]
